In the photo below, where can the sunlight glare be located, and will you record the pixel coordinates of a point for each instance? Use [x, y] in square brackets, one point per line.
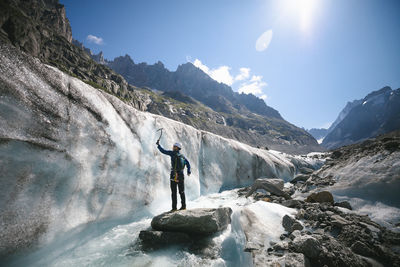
[302, 11]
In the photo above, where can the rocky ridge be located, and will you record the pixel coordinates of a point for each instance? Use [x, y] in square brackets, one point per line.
[377, 113]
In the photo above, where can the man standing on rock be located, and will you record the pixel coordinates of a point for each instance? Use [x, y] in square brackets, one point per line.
[177, 178]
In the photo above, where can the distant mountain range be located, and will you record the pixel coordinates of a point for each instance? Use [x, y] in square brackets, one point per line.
[377, 113]
[243, 117]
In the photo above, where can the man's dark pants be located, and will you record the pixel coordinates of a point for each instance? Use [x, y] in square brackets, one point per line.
[181, 186]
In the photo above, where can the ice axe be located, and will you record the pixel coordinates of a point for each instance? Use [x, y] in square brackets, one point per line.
[161, 129]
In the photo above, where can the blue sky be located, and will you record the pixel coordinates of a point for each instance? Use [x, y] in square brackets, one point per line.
[306, 58]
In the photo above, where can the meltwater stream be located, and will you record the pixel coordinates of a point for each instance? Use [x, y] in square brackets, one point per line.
[113, 243]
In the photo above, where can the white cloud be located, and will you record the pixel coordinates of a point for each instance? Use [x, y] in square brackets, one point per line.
[264, 40]
[250, 84]
[254, 88]
[256, 78]
[220, 74]
[201, 66]
[94, 39]
[244, 74]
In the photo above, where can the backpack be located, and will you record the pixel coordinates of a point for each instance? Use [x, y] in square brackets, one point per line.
[179, 162]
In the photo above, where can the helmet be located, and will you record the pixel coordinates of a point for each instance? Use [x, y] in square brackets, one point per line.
[178, 145]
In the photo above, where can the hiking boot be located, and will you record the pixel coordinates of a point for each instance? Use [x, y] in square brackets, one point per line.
[183, 208]
[173, 210]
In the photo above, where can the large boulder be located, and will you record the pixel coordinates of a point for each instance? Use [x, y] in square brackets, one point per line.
[320, 197]
[274, 186]
[193, 221]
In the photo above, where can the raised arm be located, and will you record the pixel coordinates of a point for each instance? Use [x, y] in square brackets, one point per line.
[166, 152]
[188, 166]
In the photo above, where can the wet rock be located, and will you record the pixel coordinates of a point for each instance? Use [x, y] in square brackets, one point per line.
[306, 170]
[281, 246]
[344, 204]
[205, 247]
[194, 221]
[295, 234]
[291, 224]
[320, 197]
[307, 245]
[152, 240]
[274, 186]
[300, 178]
[250, 246]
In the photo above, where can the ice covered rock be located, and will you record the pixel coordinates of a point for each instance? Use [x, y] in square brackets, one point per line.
[320, 197]
[344, 204]
[300, 178]
[306, 170]
[273, 186]
[194, 221]
[152, 240]
[291, 224]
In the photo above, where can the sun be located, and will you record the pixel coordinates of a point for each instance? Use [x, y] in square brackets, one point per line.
[302, 12]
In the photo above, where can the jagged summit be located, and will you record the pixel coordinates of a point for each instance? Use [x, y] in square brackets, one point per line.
[377, 113]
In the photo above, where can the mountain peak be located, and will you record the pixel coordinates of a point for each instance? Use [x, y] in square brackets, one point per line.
[381, 91]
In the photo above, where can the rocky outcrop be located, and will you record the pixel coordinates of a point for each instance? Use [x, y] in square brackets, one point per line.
[193, 221]
[28, 24]
[41, 29]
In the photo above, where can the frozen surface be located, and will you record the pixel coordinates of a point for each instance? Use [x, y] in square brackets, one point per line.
[78, 162]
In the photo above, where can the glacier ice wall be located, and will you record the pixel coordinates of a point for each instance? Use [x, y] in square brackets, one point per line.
[71, 154]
